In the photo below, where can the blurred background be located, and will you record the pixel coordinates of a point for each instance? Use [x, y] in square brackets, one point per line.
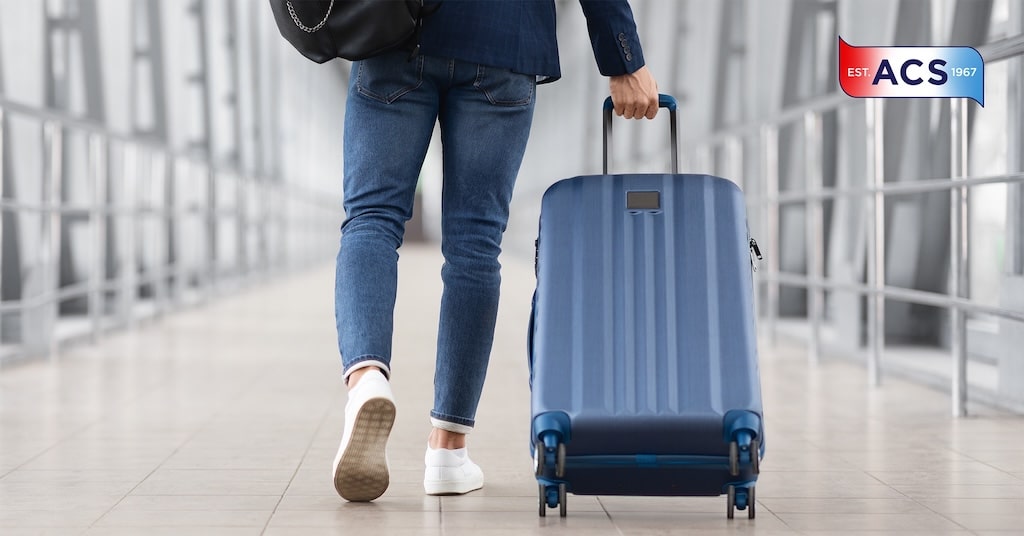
[156, 154]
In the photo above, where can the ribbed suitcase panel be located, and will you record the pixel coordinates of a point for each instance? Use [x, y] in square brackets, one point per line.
[644, 312]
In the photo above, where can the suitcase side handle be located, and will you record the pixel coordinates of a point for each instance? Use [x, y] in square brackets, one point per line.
[664, 101]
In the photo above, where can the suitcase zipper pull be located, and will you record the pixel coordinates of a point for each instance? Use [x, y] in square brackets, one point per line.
[755, 254]
[536, 257]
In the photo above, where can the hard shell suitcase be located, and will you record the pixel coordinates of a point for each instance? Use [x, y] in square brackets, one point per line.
[642, 340]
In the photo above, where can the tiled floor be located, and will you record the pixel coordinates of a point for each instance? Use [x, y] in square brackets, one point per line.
[224, 420]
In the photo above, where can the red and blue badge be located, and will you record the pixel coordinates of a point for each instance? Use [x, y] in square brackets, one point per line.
[912, 72]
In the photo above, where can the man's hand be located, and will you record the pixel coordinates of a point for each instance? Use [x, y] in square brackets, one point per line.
[635, 95]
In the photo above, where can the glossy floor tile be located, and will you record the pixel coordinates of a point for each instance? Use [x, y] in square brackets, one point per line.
[224, 419]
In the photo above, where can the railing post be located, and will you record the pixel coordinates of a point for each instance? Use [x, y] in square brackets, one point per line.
[212, 223]
[875, 239]
[175, 256]
[53, 215]
[266, 225]
[178, 206]
[43, 336]
[705, 159]
[734, 153]
[242, 186]
[275, 213]
[3, 123]
[685, 161]
[283, 213]
[959, 254]
[291, 248]
[127, 214]
[159, 273]
[97, 166]
[770, 148]
[815, 232]
[191, 224]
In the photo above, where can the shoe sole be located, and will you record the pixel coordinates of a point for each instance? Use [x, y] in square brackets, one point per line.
[450, 488]
[362, 472]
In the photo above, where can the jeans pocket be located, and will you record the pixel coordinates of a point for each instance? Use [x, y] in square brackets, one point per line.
[388, 77]
[503, 87]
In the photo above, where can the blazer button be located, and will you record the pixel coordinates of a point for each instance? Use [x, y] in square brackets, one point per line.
[629, 57]
[622, 37]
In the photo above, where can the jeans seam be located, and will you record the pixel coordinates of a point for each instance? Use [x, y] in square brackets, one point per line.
[388, 99]
[453, 419]
[479, 77]
[478, 83]
[367, 357]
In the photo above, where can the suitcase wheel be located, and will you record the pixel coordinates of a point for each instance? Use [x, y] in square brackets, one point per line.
[561, 500]
[543, 500]
[741, 499]
[539, 457]
[751, 450]
[542, 455]
[550, 496]
[730, 502]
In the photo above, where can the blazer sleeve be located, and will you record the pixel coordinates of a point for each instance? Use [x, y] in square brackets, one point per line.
[613, 36]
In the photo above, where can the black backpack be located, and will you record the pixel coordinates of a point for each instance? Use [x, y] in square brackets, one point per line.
[351, 29]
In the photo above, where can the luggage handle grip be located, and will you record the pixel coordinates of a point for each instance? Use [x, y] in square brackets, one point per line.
[664, 101]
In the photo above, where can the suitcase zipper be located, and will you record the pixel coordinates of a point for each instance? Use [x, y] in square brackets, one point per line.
[755, 254]
[536, 257]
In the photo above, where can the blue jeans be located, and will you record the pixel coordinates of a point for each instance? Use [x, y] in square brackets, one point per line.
[485, 115]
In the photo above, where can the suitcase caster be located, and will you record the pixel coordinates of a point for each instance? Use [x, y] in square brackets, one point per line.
[543, 500]
[540, 458]
[550, 497]
[742, 499]
[753, 452]
[562, 506]
[755, 457]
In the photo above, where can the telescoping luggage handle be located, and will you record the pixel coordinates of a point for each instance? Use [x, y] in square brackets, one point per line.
[664, 101]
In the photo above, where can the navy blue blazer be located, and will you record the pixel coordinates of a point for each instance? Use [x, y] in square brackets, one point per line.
[520, 35]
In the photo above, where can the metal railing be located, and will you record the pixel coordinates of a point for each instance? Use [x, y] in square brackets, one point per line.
[875, 289]
[200, 209]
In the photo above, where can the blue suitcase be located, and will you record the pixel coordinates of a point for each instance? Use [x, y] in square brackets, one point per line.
[643, 358]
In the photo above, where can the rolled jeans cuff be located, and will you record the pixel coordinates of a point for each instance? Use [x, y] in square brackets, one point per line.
[450, 426]
[368, 361]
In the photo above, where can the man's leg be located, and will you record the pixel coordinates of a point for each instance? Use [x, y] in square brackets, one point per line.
[389, 118]
[485, 122]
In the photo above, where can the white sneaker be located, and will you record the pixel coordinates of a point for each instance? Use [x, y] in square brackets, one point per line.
[451, 472]
[360, 468]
